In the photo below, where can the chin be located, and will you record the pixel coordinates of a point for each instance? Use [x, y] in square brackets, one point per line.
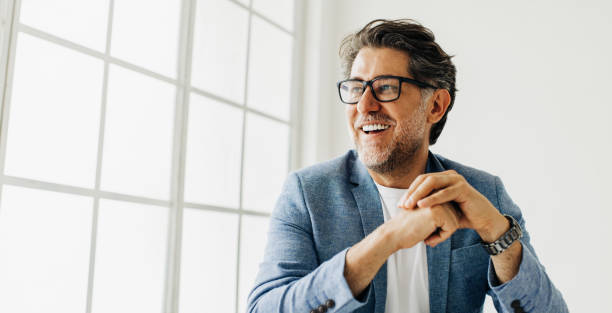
[373, 157]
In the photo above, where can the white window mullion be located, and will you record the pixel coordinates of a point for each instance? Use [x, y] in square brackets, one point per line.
[173, 258]
[297, 70]
[96, 203]
[242, 145]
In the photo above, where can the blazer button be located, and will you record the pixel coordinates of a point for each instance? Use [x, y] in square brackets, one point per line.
[516, 305]
[322, 309]
[330, 303]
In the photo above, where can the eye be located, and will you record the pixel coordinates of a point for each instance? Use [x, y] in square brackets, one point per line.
[358, 90]
[386, 88]
[352, 87]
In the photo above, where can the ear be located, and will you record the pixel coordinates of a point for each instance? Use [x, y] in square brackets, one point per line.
[439, 102]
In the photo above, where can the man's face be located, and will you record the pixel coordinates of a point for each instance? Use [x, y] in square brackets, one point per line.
[384, 150]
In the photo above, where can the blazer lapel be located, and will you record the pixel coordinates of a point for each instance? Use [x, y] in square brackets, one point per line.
[438, 259]
[368, 202]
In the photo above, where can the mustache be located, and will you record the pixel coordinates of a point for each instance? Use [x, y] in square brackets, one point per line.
[373, 117]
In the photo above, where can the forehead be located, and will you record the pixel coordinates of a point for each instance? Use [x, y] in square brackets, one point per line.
[372, 62]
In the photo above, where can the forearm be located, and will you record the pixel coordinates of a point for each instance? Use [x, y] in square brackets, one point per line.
[364, 259]
[506, 264]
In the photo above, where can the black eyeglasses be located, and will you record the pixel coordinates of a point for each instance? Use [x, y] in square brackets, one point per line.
[384, 88]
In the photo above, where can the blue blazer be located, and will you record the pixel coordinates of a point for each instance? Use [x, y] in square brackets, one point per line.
[326, 208]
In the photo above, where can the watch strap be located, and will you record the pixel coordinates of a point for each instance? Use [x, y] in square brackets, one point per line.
[500, 245]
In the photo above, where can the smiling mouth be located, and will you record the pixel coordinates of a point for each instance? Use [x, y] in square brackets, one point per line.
[374, 128]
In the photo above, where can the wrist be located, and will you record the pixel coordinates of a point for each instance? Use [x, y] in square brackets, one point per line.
[494, 229]
[387, 238]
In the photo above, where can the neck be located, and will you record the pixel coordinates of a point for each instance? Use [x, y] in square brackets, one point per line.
[403, 175]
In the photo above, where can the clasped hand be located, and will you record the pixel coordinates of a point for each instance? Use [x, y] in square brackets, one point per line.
[436, 205]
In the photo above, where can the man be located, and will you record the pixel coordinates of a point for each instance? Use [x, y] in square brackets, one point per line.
[393, 227]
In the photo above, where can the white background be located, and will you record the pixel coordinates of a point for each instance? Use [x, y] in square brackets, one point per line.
[533, 107]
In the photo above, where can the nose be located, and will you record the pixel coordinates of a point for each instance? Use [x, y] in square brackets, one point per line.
[367, 103]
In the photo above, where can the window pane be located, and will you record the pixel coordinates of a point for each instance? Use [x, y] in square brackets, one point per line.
[219, 49]
[138, 135]
[208, 262]
[265, 162]
[252, 244]
[280, 12]
[4, 18]
[44, 251]
[212, 166]
[146, 32]
[54, 115]
[82, 22]
[130, 258]
[269, 69]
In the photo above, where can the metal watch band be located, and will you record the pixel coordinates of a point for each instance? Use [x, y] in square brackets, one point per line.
[500, 245]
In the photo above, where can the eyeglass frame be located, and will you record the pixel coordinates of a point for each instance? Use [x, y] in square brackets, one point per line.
[367, 83]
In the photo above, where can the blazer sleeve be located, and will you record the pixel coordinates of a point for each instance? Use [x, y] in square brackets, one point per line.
[531, 288]
[290, 278]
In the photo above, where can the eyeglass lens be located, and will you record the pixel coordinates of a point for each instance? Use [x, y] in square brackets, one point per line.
[385, 89]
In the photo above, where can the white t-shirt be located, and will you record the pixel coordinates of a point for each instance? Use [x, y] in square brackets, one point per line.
[407, 280]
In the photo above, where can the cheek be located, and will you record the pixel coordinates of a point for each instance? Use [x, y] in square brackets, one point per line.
[351, 115]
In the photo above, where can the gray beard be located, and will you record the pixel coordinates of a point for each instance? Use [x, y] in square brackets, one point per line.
[397, 161]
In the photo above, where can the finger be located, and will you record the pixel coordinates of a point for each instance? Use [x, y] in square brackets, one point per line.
[439, 237]
[447, 219]
[415, 183]
[447, 194]
[419, 179]
[428, 185]
[433, 240]
[462, 221]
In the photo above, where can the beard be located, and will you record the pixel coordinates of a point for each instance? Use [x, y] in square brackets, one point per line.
[406, 143]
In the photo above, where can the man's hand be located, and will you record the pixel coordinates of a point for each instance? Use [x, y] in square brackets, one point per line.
[433, 224]
[430, 190]
[476, 212]
[434, 207]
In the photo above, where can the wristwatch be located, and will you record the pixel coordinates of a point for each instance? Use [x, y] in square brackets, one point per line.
[500, 245]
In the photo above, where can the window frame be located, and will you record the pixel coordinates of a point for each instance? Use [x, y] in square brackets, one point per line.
[176, 204]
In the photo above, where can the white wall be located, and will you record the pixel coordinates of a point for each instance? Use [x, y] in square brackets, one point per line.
[533, 107]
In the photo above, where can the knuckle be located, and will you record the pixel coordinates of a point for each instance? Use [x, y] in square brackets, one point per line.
[462, 183]
[461, 178]
[423, 179]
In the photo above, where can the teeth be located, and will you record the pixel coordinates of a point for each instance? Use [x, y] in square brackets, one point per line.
[372, 127]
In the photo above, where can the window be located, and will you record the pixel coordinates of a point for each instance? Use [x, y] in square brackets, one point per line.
[143, 145]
